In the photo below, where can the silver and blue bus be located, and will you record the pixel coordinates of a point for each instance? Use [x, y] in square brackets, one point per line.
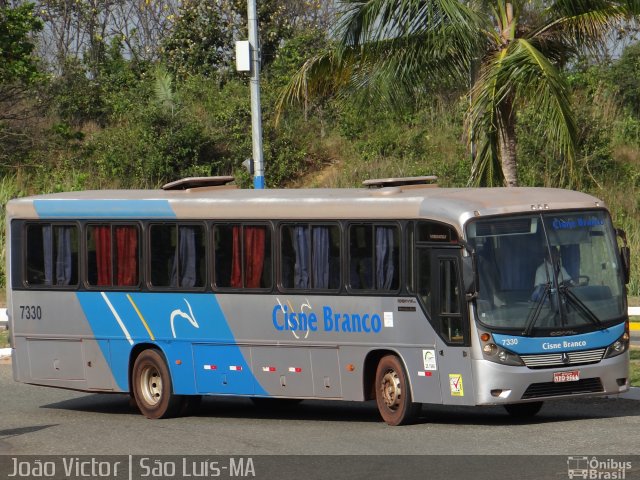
[402, 292]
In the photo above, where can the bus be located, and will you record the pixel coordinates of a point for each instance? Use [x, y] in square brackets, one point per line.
[400, 292]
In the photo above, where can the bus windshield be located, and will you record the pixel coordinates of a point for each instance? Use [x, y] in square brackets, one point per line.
[547, 271]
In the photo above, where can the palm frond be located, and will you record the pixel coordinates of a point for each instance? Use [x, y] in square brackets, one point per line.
[321, 75]
[163, 88]
[521, 74]
[584, 24]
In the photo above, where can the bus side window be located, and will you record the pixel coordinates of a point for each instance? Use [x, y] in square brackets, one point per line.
[113, 253]
[177, 256]
[310, 256]
[374, 257]
[423, 282]
[52, 255]
[242, 256]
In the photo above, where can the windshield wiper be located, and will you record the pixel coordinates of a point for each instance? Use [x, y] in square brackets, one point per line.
[535, 313]
[580, 305]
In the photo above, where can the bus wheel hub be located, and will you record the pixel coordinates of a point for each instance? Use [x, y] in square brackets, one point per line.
[391, 391]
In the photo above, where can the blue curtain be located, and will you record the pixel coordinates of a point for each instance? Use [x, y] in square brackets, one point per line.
[47, 247]
[184, 260]
[570, 255]
[301, 247]
[63, 256]
[58, 266]
[320, 257]
[385, 266]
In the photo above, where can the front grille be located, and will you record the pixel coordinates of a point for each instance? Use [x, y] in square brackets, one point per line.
[552, 389]
[555, 359]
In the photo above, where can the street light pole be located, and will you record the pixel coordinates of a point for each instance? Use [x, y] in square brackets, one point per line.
[256, 114]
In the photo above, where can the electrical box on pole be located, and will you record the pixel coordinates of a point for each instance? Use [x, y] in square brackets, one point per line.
[243, 56]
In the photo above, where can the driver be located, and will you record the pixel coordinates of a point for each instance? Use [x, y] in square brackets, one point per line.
[547, 268]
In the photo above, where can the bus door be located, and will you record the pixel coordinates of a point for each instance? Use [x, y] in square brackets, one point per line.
[449, 317]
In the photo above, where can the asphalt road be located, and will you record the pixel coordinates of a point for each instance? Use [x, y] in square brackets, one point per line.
[44, 421]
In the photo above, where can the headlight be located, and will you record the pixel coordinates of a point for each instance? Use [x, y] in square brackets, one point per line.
[618, 347]
[497, 354]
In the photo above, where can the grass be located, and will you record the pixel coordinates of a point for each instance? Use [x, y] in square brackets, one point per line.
[634, 373]
[4, 339]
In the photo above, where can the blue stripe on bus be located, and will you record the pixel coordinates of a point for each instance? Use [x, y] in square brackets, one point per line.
[192, 318]
[585, 341]
[103, 208]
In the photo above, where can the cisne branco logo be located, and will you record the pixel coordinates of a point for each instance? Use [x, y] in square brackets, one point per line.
[597, 468]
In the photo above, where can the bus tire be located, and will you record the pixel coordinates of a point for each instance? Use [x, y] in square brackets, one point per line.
[393, 394]
[152, 387]
[523, 411]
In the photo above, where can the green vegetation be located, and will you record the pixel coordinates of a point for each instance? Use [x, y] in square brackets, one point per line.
[635, 367]
[4, 339]
[129, 111]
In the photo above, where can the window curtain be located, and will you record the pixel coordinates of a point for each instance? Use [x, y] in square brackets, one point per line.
[47, 250]
[103, 254]
[517, 270]
[254, 245]
[63, 255]
[301, 247]
[385, 267]
[236, 259]
[183, 271]
[127, 255]
[570, 255]
[320, 258]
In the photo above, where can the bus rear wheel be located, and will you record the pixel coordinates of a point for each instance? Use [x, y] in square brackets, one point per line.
[393, 394]
[152, 386]
[523, 410]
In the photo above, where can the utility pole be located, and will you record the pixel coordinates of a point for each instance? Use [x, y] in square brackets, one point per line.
[256, 113]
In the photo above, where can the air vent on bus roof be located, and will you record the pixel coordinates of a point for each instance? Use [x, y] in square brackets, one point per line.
[429, 180]
[198, 182]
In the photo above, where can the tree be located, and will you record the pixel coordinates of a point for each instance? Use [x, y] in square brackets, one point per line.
[18, 72]
[17, 63]
[507, 53]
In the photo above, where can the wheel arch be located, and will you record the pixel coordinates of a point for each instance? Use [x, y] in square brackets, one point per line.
[369, 371]
[133, 355]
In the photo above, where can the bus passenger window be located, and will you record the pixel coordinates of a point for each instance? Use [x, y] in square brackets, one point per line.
[450, 314]
[310, 256]
[177, 256]
[374, 257]
[423, 283]
[112, 253]
[242, 256]
[52, 255]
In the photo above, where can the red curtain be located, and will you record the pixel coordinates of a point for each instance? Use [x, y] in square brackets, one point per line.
[127, 255]
[236, 260]
[103, 254]
[253, 255]
[254, 240]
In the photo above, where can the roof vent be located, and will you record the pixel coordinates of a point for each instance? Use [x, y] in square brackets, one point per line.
[198, 182]
[426, 181]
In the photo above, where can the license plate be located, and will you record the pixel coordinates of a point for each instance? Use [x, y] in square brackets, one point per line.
[572, 376]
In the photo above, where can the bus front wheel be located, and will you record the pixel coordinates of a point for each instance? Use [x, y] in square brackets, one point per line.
[393, 394]
[152, 386]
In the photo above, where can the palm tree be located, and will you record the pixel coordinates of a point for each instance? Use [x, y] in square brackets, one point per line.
[509, 53]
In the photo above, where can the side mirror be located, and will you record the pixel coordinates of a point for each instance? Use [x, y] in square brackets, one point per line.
[469, 274]
[625, 255]
[470, 271]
